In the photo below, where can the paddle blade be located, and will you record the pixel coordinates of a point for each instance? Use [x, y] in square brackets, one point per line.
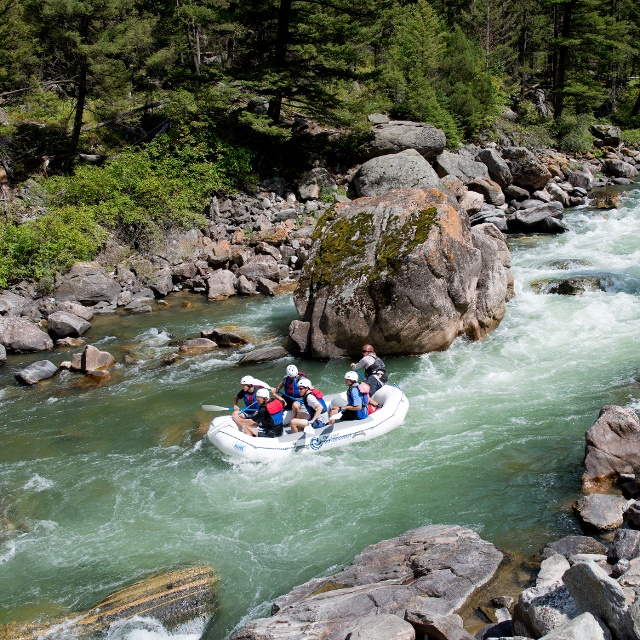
[215, 407]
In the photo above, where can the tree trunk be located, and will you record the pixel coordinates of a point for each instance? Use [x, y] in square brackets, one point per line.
[79, 114]
[636, 107]
[563, 54]
[280, 59]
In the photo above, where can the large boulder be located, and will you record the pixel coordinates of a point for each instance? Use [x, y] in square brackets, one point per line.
[64, 325]
[462, 167]
[403, 271]
[424, 573]
[314, 182]
[88, 283]
[19, 335]
[620, 168]
[612, 448]
[405, 169]
[607, 135]
[37, 371]
[526, 169]
[399, 135]
[12, 304]
[497, 166]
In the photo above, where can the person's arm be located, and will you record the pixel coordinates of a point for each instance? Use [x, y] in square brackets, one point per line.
[355, 396]
[363, 362]
[236, 400]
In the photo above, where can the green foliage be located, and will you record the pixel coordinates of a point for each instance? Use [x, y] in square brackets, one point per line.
[572, 133]
[631, 137]
[40, 248]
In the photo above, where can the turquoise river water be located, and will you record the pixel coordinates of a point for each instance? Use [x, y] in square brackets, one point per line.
[108, 485]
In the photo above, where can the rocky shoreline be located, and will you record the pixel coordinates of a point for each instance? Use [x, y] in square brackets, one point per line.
[260, 243]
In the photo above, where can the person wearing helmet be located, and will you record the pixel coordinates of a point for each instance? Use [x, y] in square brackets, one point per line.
[356, 408]
[247, 393]
[266, 421]
[289, 385]
[314, 405]
[375, 374]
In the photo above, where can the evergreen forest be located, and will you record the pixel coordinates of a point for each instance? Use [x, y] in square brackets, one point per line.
[124, 116]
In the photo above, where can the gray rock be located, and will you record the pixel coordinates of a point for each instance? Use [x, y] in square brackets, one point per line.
[594, 591]
[266, 286]
[264, 354]
[3, 354]
[471, 203]
[88, 283]
[632, 515]
[574, 286]
[625, 546]
[37, 371]
[573, 545]
[64, 325]
[378, 118]
[383, 174]
[19, 335]
[601, 511]
[382, 627]
[245, 286]
[11, 304]
[557, 194]
[551, 570]
[511, 192]
[541, 610]
[399, 135]
[620, 168]
[607, 134]
[612, 447]
[543, 218]
[261, 266]
[438, 627]
[404, 271]
[76, 309]
[221, 284]
[584, 627]
[314, 182]
[462, 167]
[161, 283]
[582, 178]
[498, 169]
[432, 570]
[526, 169]
[179, 246]
[489, 189]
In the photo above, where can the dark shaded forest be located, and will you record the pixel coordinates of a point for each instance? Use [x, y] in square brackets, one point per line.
[127, 114]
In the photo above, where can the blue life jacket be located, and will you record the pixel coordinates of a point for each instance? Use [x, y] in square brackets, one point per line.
[355, 397]
[290, 385]
[249, 398]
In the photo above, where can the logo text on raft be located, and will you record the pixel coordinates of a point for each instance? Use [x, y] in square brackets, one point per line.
[239, 447]
[316, 443]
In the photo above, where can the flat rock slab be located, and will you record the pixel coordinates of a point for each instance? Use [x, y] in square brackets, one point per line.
[431, 571]
[265, 354]
[601, 511]
[173, 598]
[37, 371]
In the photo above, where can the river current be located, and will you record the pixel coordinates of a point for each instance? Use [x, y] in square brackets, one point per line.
[108, 485]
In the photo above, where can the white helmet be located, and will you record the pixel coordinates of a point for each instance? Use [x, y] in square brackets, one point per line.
[305, 382]
[351, 375]
[262, 393]
[246, 380]
[292, 371]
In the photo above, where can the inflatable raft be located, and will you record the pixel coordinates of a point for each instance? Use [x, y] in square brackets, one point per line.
[225, 435]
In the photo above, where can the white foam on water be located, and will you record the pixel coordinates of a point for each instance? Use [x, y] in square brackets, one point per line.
[141, 628]
[38, 483]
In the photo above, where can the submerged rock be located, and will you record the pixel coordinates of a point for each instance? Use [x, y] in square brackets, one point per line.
[37, 371]
[404, 271]
[173, 598]
[574, 286]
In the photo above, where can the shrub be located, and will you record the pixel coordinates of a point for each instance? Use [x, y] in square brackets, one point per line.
[572, 133]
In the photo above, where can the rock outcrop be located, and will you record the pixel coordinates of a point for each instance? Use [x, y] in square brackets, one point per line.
[612, 448]
[399, 135]
[421, 575]
[403, 271]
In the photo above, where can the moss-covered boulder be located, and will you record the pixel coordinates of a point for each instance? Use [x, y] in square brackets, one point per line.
[403, 271]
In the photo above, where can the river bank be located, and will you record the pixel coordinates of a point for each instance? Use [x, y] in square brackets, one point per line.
[106, 491]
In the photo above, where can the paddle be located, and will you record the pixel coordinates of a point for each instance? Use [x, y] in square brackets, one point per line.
[215, 407]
